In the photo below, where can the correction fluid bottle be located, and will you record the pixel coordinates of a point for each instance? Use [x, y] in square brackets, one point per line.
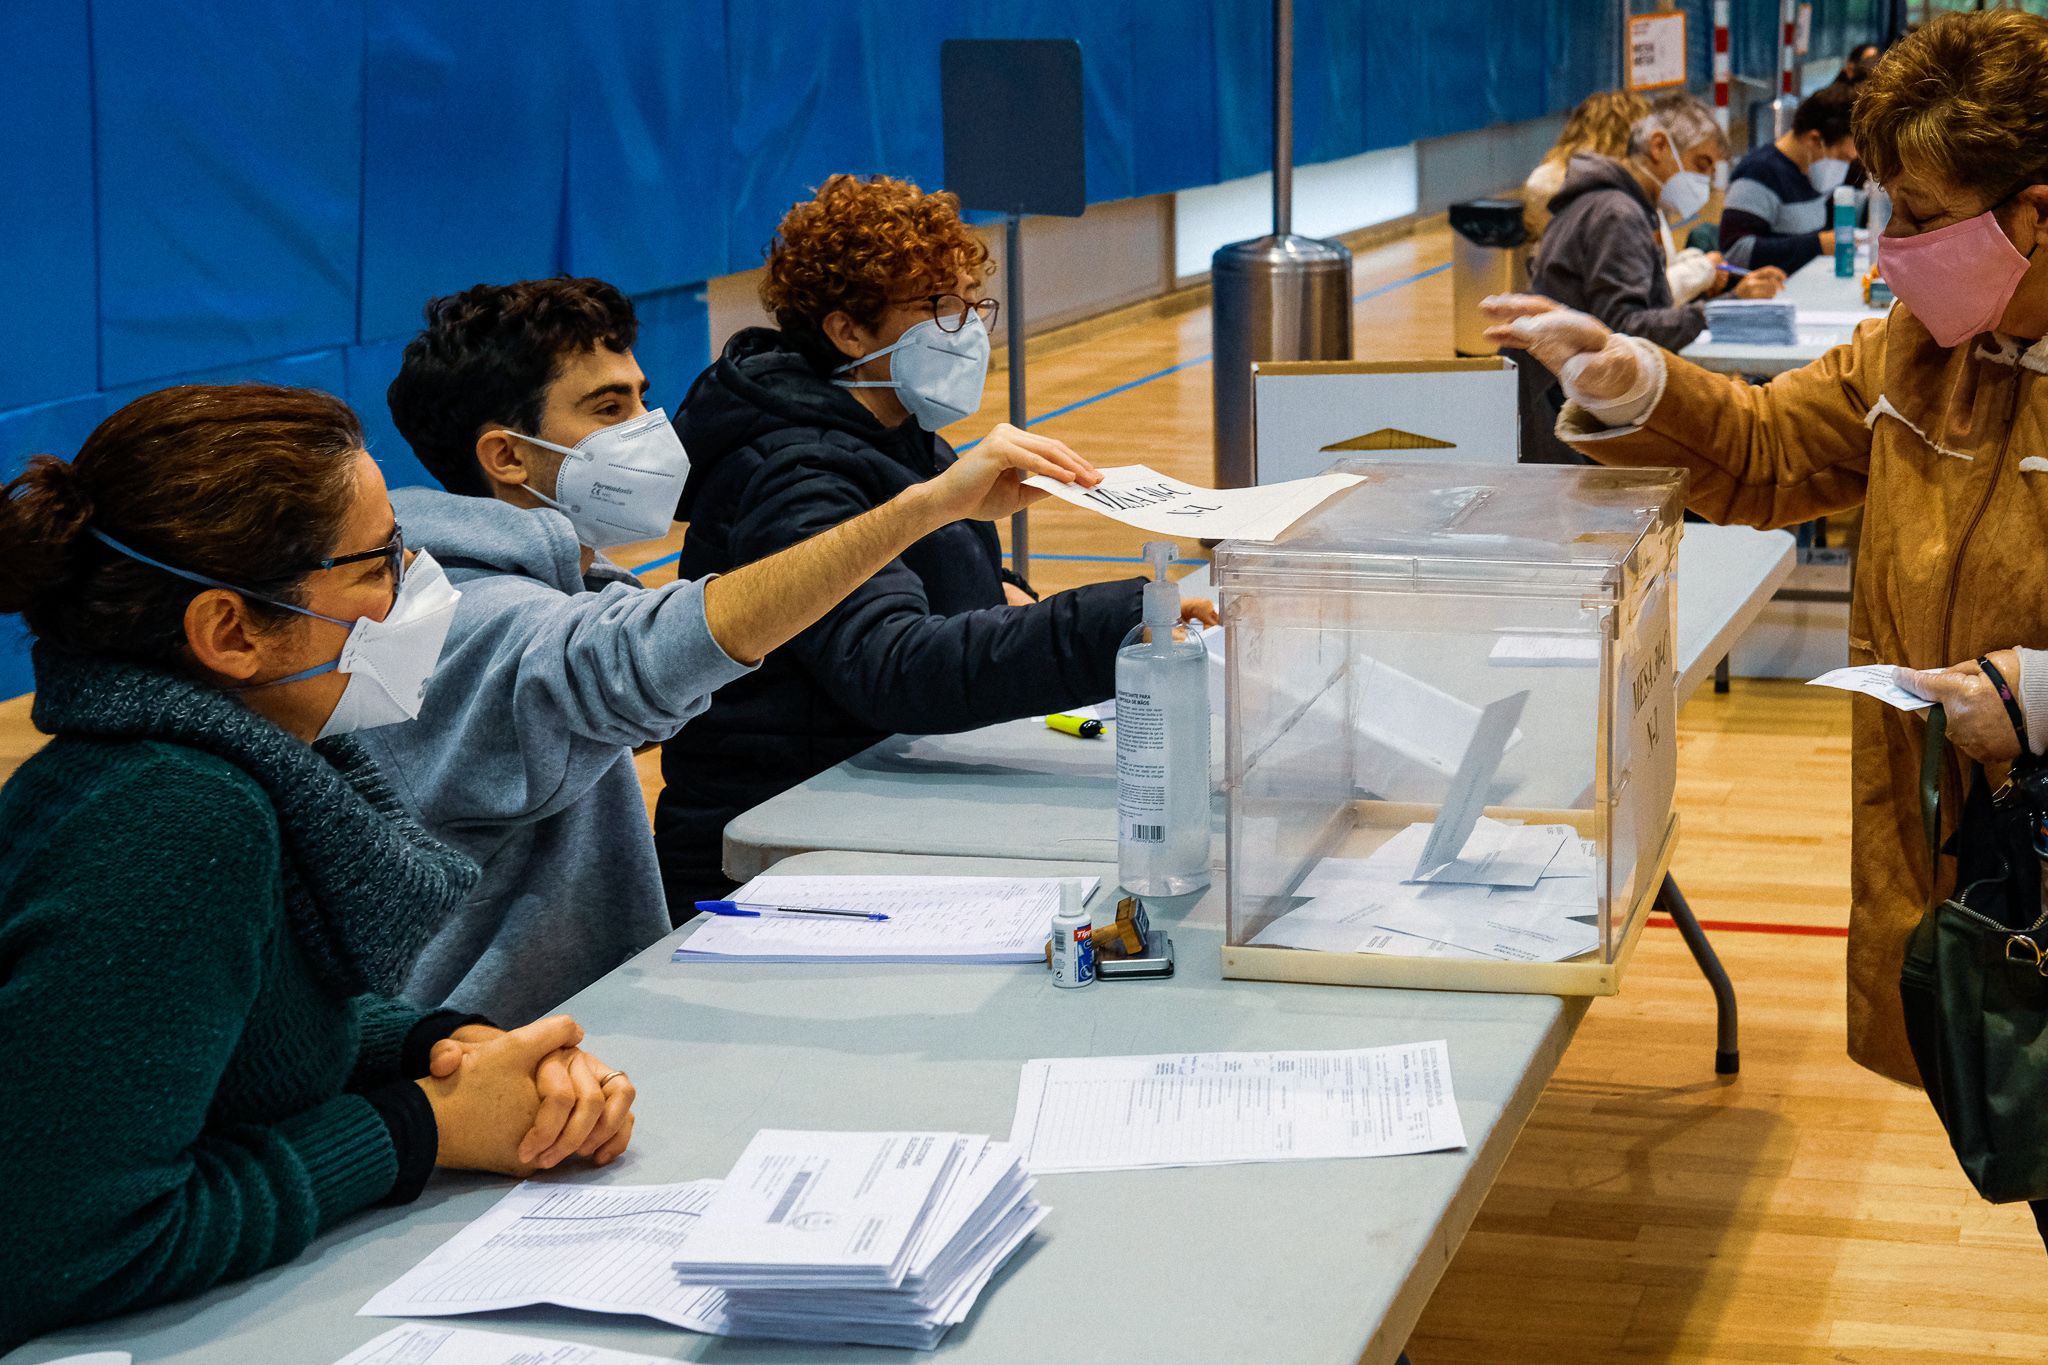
[1073, 940]
[1845, 231]
[1162, 746]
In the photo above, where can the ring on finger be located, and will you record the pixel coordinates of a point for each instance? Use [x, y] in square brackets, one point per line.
[609, 1078]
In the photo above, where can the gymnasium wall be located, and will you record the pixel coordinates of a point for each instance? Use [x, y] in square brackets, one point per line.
[242, 189]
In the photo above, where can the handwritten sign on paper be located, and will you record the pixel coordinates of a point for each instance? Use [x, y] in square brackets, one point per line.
[1141, 496]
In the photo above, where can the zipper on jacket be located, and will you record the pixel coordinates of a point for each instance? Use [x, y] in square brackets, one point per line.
[1955, 572]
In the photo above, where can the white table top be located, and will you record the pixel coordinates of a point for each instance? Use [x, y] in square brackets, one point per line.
[1815, 288]
[1314, 1261]
[1021, 790]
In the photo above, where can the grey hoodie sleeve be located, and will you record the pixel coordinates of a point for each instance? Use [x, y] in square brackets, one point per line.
[537, 693]
[1618, 277]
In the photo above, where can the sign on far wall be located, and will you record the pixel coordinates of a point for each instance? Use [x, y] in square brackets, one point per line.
[1656, 50]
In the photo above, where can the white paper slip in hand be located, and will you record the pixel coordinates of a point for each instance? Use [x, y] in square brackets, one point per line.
[1874, 680]
[415, 1343]
[1140, 496]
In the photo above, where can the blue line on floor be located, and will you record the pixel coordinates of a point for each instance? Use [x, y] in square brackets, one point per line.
[1126, 387]
[651, 565]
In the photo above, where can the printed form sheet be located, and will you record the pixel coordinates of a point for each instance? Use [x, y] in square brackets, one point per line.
[416, 1343]
[931, 919]
[1221, 1108]
[601, 1248]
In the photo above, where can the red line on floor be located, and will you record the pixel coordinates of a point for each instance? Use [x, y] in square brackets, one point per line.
[1738, 926]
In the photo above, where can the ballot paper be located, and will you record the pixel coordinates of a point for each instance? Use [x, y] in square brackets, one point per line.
[1460, 813]
[931, 919]
[1495, 854]
[415, 1343]
[600, 1248]
[1874, 680]
[1342, 923]
[1140, 496]
[1222, 1108]
[1753, 322]
[1530, 647]
[1541, 924]
[881, 1238]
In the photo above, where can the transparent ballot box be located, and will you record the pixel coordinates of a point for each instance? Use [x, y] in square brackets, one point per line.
[1449, 713]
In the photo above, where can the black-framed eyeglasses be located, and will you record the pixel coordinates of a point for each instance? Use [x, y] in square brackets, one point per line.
[392, 553]
[950, 311]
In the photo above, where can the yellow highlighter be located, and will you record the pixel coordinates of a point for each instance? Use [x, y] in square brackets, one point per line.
[1075, 725]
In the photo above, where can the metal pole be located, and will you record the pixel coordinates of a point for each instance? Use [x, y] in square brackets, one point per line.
[1283, 117]
[1013, 306]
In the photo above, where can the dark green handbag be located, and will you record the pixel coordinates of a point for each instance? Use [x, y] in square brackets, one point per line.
[1975, 980]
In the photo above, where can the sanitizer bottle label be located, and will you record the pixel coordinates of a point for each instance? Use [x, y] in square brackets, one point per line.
[1140, 768]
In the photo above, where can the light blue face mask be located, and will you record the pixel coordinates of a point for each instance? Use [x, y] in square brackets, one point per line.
[938, 375]
[387, 661]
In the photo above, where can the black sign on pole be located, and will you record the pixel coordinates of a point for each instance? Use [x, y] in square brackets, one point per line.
[1014, 145]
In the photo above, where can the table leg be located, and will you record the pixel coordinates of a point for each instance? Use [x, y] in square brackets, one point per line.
[1721, 677]
[1727, 1055]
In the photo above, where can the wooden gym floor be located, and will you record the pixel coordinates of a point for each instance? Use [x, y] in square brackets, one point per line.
[1805, 1211]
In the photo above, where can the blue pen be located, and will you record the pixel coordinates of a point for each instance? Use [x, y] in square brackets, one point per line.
[1734, 270]
[749, 910]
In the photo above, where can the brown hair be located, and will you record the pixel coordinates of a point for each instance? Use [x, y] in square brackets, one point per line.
[247, 483]
[1965, 99]
[1599, 124]
[857, 244]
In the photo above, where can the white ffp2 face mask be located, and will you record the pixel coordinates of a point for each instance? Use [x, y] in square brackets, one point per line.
[387, 662]
[1827, 173]
[938, 375]
[1685, 194]
[620, 483]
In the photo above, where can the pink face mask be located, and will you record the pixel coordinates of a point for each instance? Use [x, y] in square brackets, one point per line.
[1957, 280]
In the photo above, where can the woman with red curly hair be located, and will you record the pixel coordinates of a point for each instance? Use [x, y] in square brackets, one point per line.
[881, 338]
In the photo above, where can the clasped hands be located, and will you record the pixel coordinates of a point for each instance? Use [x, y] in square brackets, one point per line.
[525, 1100]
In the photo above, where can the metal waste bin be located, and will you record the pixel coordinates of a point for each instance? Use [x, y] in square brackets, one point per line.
[1280, 297]
[1487, 257]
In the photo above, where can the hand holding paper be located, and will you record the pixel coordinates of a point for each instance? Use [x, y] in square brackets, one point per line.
[1883, 681]
[1140, 496]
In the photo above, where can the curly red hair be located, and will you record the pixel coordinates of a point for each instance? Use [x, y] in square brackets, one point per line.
[860, 242]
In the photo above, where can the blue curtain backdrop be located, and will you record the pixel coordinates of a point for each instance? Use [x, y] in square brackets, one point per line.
[241, 189]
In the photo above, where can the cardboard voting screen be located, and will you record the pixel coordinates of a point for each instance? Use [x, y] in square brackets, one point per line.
[1308, 414]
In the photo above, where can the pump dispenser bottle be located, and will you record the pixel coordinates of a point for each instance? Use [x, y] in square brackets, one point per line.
[1162, 745]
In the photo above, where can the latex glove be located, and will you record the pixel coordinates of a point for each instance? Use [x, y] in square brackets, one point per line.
[1591, 361]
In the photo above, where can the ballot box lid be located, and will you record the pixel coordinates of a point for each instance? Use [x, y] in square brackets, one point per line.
[1517, 530]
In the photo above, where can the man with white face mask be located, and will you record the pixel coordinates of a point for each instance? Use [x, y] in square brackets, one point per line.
[526, 402]
[1781, 197]
[882, 339]
[1605, 253]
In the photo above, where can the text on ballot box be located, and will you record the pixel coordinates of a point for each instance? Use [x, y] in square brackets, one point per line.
[1309, 414]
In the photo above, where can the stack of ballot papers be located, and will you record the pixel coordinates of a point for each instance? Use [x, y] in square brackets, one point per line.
[1753, 322]
[417, 1344]
[930, 919]
[885, 1239]
[1521, 893]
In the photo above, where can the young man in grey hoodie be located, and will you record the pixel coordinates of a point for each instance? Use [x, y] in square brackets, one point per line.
[559, 663]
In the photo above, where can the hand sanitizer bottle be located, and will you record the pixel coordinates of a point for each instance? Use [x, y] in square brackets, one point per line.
[1162, 746]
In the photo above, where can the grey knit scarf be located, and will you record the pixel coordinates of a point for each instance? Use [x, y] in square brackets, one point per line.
[365, 886]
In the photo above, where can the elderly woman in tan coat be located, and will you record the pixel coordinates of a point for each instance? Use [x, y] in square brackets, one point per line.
[1934, 420]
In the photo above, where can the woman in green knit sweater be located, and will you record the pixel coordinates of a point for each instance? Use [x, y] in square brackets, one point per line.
[201, 909]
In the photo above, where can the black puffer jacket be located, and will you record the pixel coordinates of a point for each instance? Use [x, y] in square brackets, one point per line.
[779, 453]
